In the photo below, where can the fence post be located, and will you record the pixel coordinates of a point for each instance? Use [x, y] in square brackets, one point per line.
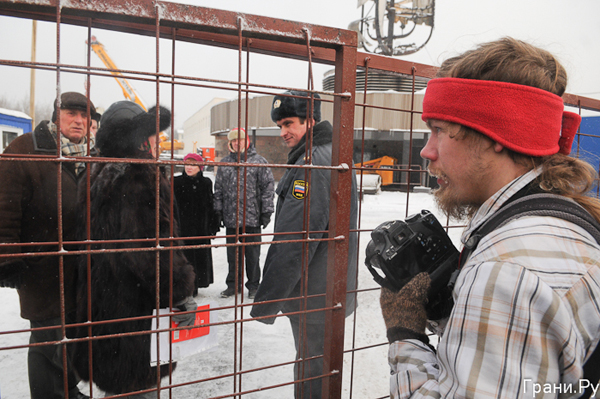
[339, 223]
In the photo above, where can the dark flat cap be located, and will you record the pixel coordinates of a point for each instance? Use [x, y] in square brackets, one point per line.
[73, 100]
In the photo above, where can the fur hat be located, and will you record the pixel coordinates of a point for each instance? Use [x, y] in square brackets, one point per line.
[125, 126]
[237, 134]
[73, 100]
[286, 107]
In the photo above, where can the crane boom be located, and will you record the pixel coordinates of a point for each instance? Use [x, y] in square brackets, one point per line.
[128, 90]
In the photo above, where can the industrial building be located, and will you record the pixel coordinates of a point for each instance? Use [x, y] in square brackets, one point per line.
[387, 131]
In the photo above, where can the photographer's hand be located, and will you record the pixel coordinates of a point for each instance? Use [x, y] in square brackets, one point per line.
[404, 311]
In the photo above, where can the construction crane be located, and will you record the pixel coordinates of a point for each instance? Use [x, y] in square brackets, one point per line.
[128, 91]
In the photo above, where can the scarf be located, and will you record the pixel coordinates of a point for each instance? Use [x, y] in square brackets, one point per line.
[70, 149]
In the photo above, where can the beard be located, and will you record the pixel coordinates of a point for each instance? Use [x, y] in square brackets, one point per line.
[449, 201]
[451, 205]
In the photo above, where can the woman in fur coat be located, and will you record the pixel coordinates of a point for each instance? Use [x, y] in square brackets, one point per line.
[123, 284]
[197, 216]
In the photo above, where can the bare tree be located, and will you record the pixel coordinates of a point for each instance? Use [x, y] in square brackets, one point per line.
[42, 111]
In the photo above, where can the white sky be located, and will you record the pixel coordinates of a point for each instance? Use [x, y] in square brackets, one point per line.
[570, 30]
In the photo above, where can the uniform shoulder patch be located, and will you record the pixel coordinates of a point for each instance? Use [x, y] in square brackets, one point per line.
[299, 190]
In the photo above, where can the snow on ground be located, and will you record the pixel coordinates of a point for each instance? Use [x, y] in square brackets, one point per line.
[262, 345]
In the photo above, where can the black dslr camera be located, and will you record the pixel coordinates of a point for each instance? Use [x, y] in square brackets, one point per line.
[401, 250]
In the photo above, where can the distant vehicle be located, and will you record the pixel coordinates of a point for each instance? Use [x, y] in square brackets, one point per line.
[385, 174]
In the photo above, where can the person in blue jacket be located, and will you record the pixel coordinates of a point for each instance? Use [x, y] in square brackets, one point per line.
[285, 267]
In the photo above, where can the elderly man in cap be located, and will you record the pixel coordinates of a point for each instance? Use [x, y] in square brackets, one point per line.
[29, 213]
[285, 270]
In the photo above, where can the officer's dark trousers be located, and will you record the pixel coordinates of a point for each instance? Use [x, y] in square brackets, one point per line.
[252, 258]
[45, 364]
[308, 345]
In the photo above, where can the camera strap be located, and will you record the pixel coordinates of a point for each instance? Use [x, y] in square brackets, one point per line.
[541, 204]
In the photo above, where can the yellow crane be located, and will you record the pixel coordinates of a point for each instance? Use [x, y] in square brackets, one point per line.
[128, 91]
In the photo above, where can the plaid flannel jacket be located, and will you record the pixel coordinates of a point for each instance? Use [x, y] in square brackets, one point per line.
[526, 315]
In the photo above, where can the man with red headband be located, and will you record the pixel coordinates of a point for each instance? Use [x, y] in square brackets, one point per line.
[526, 313]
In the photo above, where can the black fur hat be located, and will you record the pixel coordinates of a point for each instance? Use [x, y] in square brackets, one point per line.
[286, 107]
[125, 126]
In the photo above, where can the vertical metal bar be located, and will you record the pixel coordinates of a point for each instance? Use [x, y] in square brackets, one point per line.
[32, 73]
[88, 218]
[240, 250]
[59, 199]
[410, 145]
[157, 198]
[339, 223]
[360, 204]
[172, 199]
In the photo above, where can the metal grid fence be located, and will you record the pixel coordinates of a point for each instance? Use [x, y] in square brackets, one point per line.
[355, 349]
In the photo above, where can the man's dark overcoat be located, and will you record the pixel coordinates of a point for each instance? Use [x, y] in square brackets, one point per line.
[29, 213]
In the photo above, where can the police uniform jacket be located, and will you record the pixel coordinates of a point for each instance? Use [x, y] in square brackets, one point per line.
[283, 270]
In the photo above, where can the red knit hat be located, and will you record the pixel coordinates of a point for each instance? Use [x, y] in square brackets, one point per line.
[194, 157]
[525, 119]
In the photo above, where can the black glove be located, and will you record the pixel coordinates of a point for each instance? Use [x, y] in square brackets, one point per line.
[404, 311]
[188, 319]
[265, 219]
[219, 219]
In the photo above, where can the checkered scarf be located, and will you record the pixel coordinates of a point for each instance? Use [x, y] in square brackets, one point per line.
[69, 149]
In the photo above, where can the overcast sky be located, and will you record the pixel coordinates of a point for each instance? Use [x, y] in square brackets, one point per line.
[569, 29]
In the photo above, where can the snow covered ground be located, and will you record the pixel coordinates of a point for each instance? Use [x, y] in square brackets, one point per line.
[262, 345]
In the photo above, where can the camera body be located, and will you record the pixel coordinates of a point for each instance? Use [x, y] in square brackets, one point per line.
[403, 249]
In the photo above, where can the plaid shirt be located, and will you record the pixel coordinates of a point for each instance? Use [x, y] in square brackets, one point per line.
[526, 314]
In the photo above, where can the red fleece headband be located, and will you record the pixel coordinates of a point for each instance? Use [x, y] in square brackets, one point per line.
[525, 119]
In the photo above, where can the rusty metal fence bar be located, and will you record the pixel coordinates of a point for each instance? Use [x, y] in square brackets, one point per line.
[249, 34]
[156, 14]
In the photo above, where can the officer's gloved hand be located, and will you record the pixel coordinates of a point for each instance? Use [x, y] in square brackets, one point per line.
[219, 219]
[265, 219]
[404, 311]
[188, 319]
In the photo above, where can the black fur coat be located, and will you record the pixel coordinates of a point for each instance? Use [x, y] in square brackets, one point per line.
[123, 284]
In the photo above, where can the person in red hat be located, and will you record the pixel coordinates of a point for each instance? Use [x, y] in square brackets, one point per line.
[526, 313]
[194, 194]
[29, 213]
